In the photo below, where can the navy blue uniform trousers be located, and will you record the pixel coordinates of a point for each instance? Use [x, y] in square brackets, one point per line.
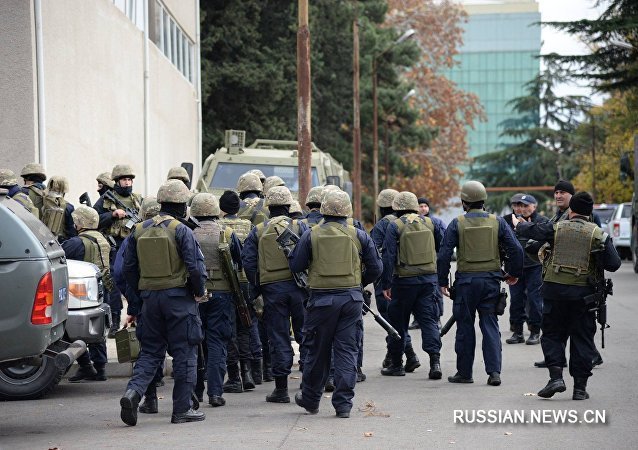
[280, 308]
[168, 323]
[417, 299]
[218, 318]
[526, 302]
[476, 294]
[332, 325]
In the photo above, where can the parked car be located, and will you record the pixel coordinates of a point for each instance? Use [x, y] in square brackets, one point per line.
[620, 230]
[606, 212]
[34, 298]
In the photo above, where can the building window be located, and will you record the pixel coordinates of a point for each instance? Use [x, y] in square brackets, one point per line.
[133, 9]
[171, 40]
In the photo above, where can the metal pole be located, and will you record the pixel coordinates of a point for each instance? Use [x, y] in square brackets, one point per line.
[386, 143]
[304, 137]
[375, 135]
[356, 132]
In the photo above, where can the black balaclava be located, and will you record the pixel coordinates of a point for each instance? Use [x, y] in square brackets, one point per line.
[174, 209]
[123, 191]
[386, 211]
[104, 190]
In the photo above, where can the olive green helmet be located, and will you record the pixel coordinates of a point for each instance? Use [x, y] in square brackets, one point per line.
[295, 207]
[259, 173]
[178, 173]
[85, 217]
[272, 182]
[122, 171]
[249, 182]
[405, 201]
[8, 178]
[336, 203]
[386, 197]
[315, 195]
[473, 191]
[150, 208]
[173, 191]
[33, 169]
[105, 179]
[58, 185]
[205, 204]
[278, 195]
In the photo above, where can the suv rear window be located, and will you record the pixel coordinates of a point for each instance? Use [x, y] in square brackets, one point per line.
[227, 174]
[626, 211]
[605, 214]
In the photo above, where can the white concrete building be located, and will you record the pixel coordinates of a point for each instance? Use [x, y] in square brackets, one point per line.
[87, 84]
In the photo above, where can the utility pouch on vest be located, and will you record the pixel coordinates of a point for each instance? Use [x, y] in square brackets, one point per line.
[53, 214]
[107, 280]
[479, 244]
[155, 259]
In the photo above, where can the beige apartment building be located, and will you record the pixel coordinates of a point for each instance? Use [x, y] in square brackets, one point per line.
[87, 84]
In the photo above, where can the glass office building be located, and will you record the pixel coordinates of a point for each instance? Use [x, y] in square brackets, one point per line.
[502, 41]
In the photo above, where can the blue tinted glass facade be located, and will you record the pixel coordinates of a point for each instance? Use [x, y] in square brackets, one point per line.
[499, 55]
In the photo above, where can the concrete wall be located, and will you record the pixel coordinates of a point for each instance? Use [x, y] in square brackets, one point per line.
[18, 95]
[94, 90]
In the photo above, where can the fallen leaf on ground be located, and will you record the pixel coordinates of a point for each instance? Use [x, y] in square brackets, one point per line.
[507, 433]
[529, 394]
[452, 442]
[370, 409]
[368, 434]
[294, 377]
[301, 428]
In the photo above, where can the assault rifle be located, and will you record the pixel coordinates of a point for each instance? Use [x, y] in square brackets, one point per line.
[452, 320]
[131, 214]
[597, 302]
[287, 240]
[85, 199]
[228, 268]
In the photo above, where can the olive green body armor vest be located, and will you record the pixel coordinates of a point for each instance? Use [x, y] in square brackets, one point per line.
[26, 202]
[336, 260]
[571, 261]
[36, 195]
[160, 264]
[241, 228]
[417, 250]
[273, 264]
[478, 244]
[97, 251]
[210, 234]
[253, 211]
[118, 227]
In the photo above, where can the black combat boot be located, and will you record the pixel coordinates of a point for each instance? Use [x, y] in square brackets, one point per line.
[188, 416]
[247, 376]
[387, 361]
[435, 367]
[330, 384]
[100, 374]
[396, 368]
[280, 394]
[149, 406]
[360, 375]
[255, 368]
[267, 371]
[555, 383]
[598, 360]
[517, 336]
[216, 401]
[84, 373]
[494, 379]
[129, 403]
[580, 389]
[233, 385]
[458, 378]
[534, 336]
[115, 325]
[411, 360]
[299, 400]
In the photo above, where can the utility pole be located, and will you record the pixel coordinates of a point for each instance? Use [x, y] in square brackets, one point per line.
[375, 136]
[593, 157]
[304, 136]
[356, 132]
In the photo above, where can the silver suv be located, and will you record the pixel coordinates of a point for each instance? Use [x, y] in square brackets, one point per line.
[620, 230]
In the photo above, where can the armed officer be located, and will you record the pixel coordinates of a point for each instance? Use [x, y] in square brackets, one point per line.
[477, 237]
[313, 202]
[252, 205]
[9, 181]
[267, 268]
[113, 223]
[34, 176]
[573, 272]
[333, 253]
[104, 183]
[165, 265]
[57, 188]
[218, 313]
[91, 246]
[409, 281]
[244, 349]
[179, 173]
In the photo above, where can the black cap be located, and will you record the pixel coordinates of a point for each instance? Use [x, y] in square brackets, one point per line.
[516, 198]
[229, 202]
[528, 199]
[424, 200]
[566, 186]
[582, 204]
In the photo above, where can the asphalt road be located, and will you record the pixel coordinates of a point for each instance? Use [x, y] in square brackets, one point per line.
[390, 412]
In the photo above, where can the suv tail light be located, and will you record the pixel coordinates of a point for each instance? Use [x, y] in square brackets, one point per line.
[41, 313]
[616, 229]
